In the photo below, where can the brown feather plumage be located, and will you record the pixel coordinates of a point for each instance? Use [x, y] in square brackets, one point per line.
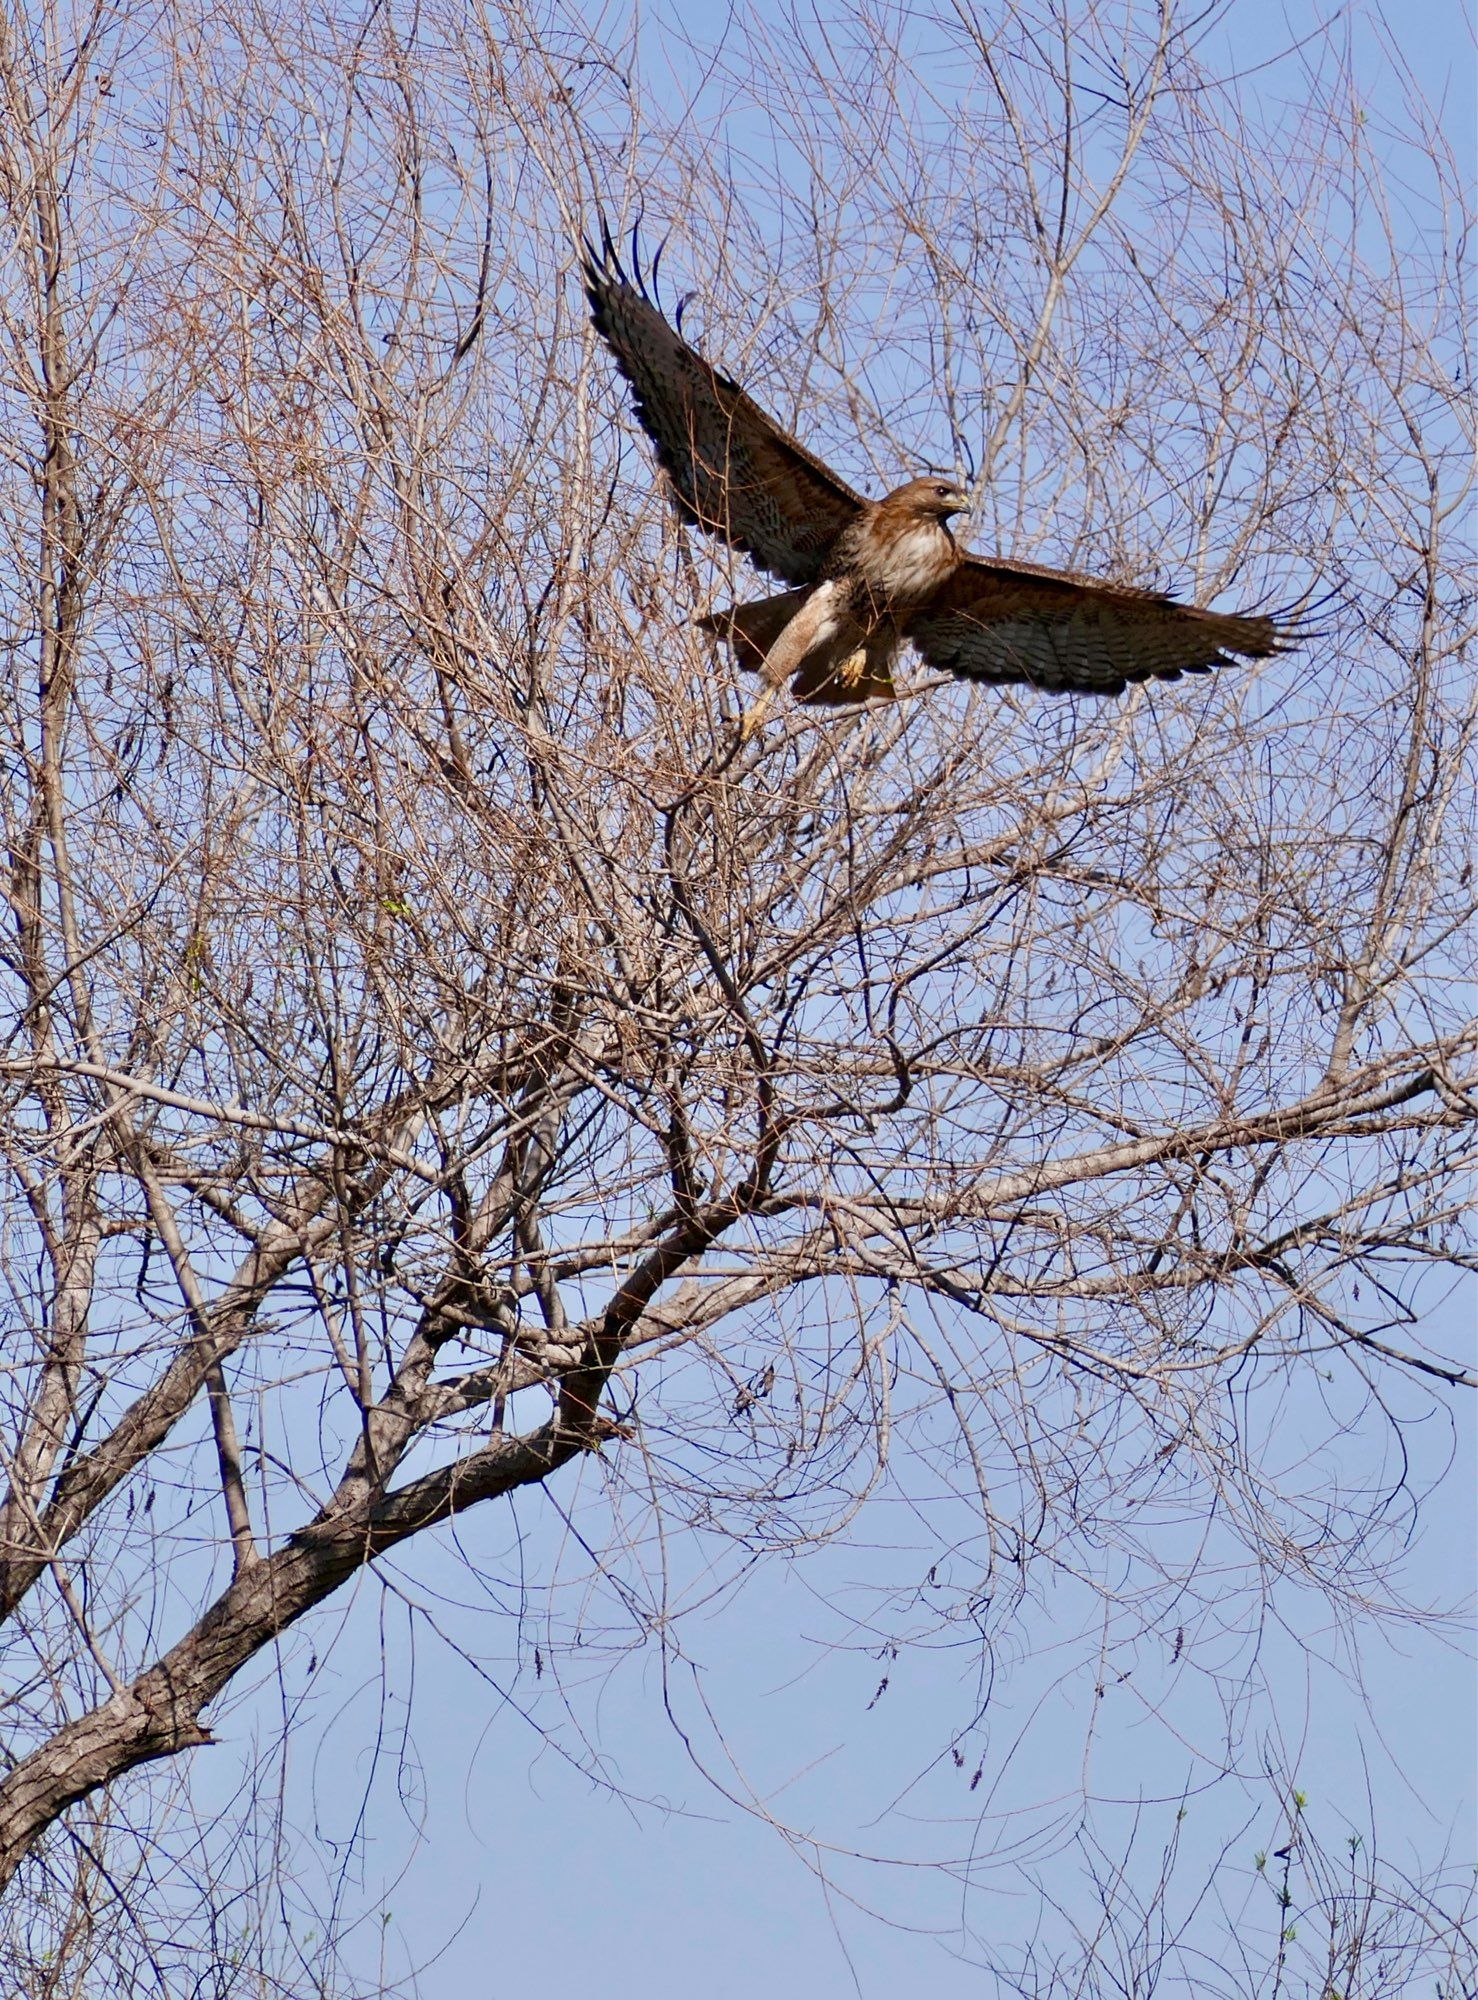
[731, 469]
[996, 621]
[868, 577]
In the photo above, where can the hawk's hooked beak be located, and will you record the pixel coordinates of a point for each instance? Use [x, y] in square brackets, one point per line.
[956, 502]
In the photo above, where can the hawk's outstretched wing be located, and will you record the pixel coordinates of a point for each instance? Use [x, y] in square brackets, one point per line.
[1000, 621]
[732, 469]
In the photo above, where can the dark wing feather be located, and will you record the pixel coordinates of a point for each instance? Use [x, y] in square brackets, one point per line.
[733, 471]
[1015, 622]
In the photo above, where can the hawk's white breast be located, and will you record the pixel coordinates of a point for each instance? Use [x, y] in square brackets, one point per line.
[907, 563]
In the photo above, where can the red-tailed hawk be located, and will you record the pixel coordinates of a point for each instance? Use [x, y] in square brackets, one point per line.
[868, 576]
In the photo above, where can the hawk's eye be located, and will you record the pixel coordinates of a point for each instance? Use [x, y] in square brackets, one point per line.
[942, 491]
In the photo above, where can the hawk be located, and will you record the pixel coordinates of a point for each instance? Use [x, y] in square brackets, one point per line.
[865, 578]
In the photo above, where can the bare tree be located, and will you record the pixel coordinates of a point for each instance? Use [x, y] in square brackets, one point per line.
[430, 1060]
[1343, 1925]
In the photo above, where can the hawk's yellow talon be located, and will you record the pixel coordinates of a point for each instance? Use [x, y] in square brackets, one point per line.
[755, 714]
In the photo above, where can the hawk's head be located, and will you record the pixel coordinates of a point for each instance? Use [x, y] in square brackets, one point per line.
[933, 497]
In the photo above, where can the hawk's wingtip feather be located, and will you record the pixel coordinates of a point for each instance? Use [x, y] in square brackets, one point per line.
[656, 265]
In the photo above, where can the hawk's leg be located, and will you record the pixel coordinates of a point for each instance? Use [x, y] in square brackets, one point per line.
[815, 629]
